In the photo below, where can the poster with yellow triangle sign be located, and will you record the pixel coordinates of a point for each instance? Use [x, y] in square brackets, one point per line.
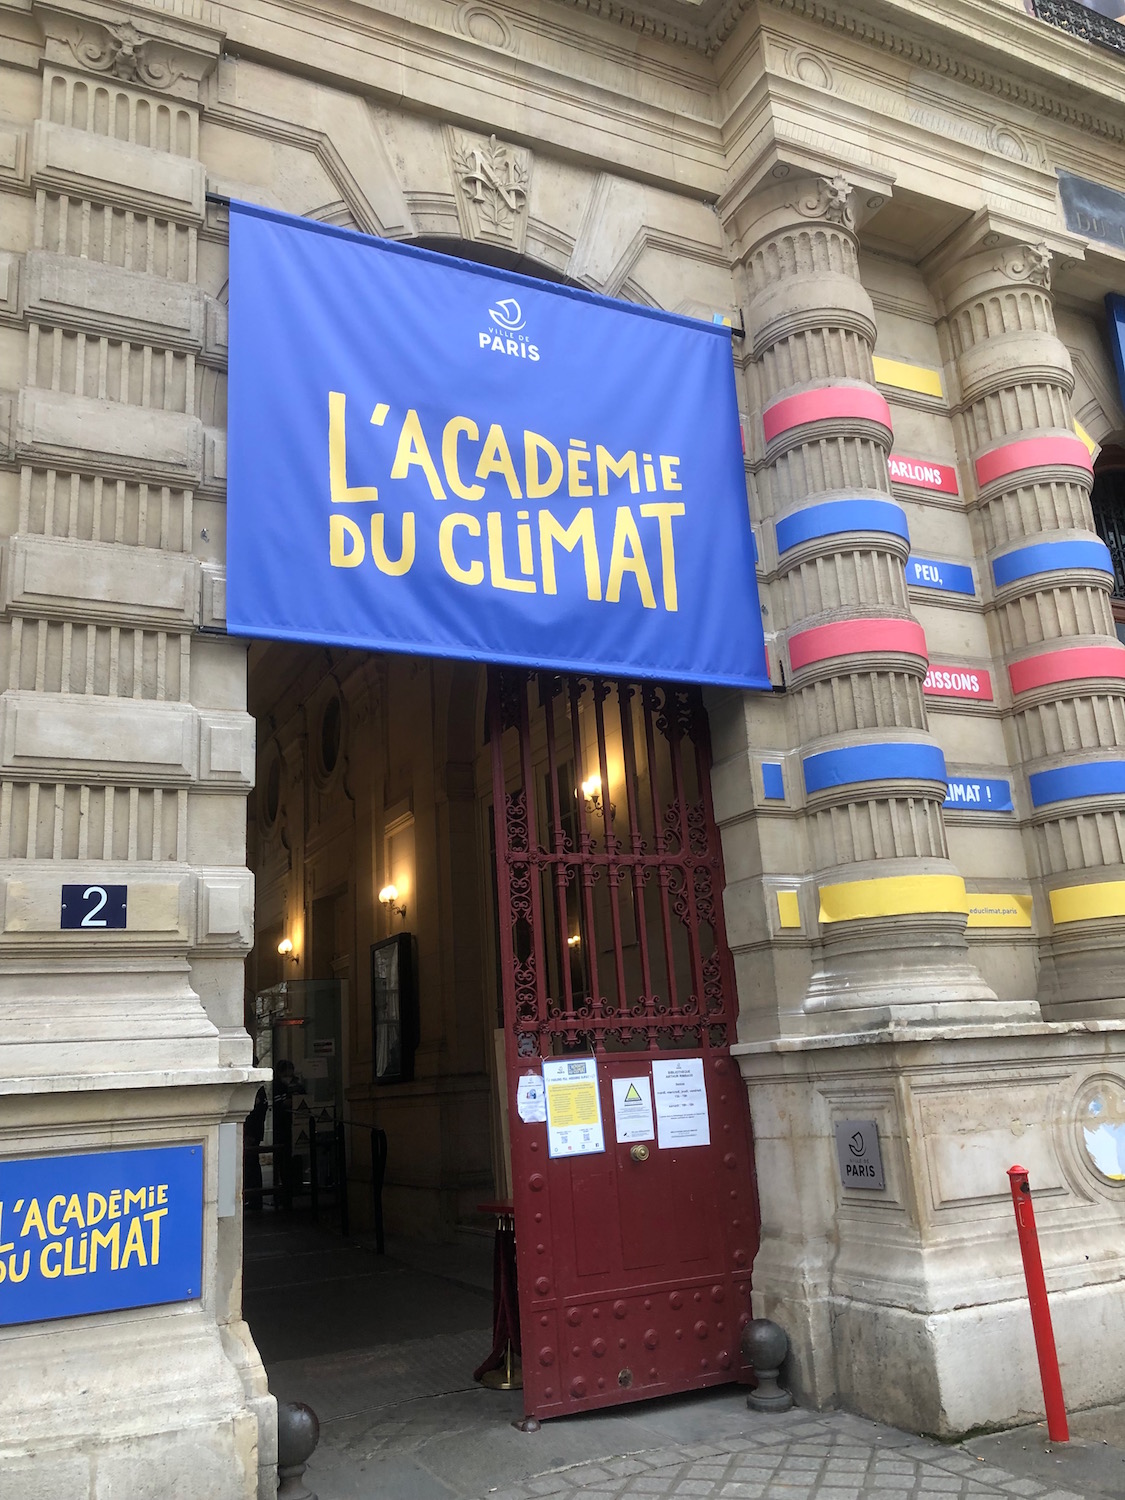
[632, 1109]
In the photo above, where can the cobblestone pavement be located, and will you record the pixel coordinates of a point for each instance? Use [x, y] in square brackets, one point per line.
[831, 1456]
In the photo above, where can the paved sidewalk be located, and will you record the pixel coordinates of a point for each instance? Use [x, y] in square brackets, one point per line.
[382, 1348]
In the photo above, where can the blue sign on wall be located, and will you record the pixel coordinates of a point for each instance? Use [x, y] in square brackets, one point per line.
[949, 578]
[431, 456]
[100, 1230]
[978, 794]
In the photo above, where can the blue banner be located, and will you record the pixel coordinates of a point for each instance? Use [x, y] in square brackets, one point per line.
[981, 794]
[950, 578]
[100, 1230]
[436, 457]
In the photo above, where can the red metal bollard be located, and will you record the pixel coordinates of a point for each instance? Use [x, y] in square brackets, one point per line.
[1057, 1429]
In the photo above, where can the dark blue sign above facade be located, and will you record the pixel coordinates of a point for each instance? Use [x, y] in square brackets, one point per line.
[435, 457]
[100, 1230]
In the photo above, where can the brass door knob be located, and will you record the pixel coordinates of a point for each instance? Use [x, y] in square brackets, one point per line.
[639, 1153]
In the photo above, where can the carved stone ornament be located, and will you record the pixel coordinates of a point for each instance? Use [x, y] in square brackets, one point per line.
[829, 199]
[1030, 263]
[126, 53]
[492, 185]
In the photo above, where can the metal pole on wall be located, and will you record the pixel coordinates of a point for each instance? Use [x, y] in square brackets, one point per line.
[1057, 1429]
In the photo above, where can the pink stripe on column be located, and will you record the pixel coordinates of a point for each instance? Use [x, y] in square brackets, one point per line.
[1071, 665]
[1030, 453]
[845, 637]
[858, 402]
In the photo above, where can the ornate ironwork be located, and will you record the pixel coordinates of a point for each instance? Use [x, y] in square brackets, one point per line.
[612, 930]
[1080, 20]
[1108, 503]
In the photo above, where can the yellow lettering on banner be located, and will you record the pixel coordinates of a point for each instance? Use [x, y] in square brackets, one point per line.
[115, 1204]
[111, 1241]
[628, 556]
[33, 1219]
[663, 512]
[69, 1268]
[581, 529]
[134, 1199]
[533, 446]
[342, 529]
[342, 493]
[453, 430]
[668, 477]
[21, 1275]
[412, 452]
[499, 577]
[474, 573]
[577, 462]
[74, 1211]
[134, 1245]
[607, 465]
[405, 560]
[162, 1193]
[92, 1217]
[45, 1267]
[154, 1219]
[495, 458]
[51, 1225]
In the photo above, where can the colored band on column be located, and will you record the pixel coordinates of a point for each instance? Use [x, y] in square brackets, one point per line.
[1086, 903]
[886, 762]
[835, 517]
[1032, 453]
[1051, 557]
[846, 637]
[1072, 665]
[892, 896]
[1092, 778]
[858, 403]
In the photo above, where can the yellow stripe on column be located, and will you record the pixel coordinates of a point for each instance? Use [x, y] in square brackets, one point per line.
[1085, 903]
[896, 896]
[907, 377]
[1091, 446]
[992, 909]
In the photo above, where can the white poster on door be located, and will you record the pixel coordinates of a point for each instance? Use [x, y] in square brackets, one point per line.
[680, 1095]
[632, 1109]
[574, 1110]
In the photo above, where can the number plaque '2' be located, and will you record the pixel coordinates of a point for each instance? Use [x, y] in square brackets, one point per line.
[94, 907]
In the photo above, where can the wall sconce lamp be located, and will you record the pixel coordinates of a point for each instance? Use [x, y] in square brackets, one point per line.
[592, 792]
[573, 941]
[285, 948]
[388, 897]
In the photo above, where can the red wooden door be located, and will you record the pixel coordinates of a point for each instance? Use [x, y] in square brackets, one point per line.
[633, 1262]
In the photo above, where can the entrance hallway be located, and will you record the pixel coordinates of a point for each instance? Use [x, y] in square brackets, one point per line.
[383, 1348]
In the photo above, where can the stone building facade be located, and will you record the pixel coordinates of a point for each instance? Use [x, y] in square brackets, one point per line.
[872, 197]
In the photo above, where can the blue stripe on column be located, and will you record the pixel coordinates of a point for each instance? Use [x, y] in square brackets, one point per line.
[1046, 557]
[1092, 778]
[835, 516]
[894, 762]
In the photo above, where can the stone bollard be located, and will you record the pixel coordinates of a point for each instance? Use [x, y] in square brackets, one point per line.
[765, 1345]
[298, 1432]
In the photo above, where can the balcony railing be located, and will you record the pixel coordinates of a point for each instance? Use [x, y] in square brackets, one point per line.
[1081, 21]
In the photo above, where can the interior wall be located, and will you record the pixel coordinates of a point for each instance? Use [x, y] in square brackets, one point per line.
[372, 765]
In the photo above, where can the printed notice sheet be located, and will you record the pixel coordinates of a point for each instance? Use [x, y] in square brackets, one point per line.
[530, 1103]
[574, 1111]
[681, 1103]
[632, 1109]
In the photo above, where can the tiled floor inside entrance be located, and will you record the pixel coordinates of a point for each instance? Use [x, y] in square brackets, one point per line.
[383, 1349]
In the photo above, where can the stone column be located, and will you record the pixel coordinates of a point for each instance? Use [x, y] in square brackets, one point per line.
[1047, 579]
[891, 905]
[125, 759]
